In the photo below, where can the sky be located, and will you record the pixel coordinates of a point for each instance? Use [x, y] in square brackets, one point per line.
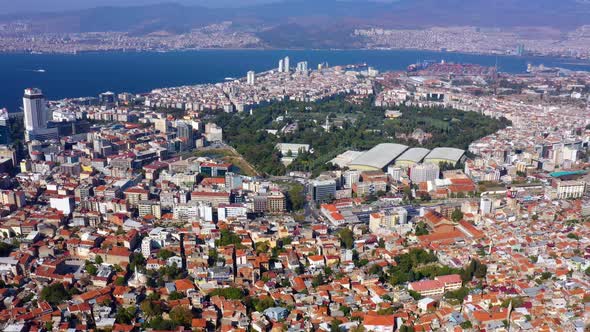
[15, 6]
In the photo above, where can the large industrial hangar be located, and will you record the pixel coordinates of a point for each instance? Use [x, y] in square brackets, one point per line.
[385, 154]
[378, 158]
[445, 155]
[411, 157]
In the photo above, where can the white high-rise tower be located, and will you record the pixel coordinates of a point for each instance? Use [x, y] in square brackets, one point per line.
[36, 117]
[34, 109]
[281, 66]
[251, 77]
[287, 65]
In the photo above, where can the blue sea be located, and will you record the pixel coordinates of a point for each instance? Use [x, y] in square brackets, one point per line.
[89, 74]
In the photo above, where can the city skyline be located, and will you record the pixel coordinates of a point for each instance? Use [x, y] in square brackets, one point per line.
[550, 28]
[334, 166]
[439, 180]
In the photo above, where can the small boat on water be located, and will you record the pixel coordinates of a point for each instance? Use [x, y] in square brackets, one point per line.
[40, 70]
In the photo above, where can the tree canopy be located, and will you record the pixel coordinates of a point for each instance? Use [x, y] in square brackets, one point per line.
[181, 315]
[55, 294]
[230, 293]
[346, 238]
[354, 126]
[228, 238]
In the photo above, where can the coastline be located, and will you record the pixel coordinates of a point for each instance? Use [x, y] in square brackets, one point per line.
[573, 60]
[90, 73]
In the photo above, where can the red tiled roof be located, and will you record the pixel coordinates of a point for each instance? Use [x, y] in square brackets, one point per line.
[448, 279]
[426, 285]
[379, 320]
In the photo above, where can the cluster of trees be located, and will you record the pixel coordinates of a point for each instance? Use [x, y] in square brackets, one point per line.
[227, 238]
[178, 316]
[247, 135]
[164, 274]
[475, 269]
[360, 126]
[458, 295]
[405, 270]
[319, 279]
[55, 294]
[165, 254]
[420, 264]
[295, 197]
[517, 302]
[5, 249]
[358, 262]
[421, 229]
[262, 247]
[346, 238]
[456, 215]
[151, 307]
[259, 303]
[175, 296]
[90, 268]
[230, 293]
[16, 128]
[137, 259]
[125, 315]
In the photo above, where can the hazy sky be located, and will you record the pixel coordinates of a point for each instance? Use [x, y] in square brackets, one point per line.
[11, 6]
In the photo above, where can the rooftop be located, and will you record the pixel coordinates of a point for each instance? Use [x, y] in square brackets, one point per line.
[414, 154]
[380, 155]
[451, 154]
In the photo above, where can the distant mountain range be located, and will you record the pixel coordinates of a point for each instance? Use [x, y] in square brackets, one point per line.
[301, 22]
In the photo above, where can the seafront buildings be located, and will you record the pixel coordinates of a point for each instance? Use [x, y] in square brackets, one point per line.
[138, 217]
[18, 36]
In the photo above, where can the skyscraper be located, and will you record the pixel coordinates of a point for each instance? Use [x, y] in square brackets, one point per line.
[34, 109]
[185, 130]
[281, 66]
[251, 77]
[520, 50]
[287, 67]
[36, 116]
[302, 67]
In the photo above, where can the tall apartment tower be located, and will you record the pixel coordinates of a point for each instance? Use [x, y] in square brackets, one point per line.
[34, 109]
[281, 65]
[36, 116]
[251, 77]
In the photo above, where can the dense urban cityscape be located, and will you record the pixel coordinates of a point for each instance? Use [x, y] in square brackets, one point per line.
[30, 35]
[16, 37]
[448, 197]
